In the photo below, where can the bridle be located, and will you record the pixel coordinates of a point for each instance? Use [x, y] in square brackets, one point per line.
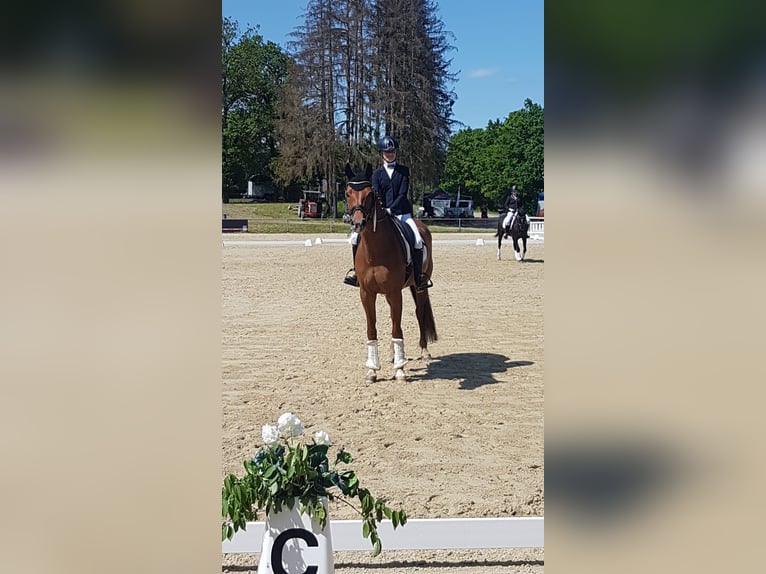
[360, 186]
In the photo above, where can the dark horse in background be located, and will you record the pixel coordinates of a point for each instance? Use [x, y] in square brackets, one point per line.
[382, 268]
[519, 230]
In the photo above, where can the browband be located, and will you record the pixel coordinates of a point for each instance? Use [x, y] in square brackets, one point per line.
[358, 185]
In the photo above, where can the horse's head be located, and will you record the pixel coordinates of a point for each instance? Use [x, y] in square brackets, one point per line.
[360, 199]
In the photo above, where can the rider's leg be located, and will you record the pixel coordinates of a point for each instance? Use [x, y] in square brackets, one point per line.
[510, 224]
[411, 222]
[507, 223]
[417, 256]
[350, 278]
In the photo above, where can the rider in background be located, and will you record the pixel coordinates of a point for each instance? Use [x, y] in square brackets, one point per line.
[512, 206]
[391, 182]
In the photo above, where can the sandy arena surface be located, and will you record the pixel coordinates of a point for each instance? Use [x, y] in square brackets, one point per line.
[463, 437]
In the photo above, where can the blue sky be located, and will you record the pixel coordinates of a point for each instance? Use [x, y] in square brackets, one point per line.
[498, 57]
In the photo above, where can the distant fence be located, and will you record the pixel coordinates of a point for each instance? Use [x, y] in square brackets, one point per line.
[439, 225]
[537, 227]
[234, 225]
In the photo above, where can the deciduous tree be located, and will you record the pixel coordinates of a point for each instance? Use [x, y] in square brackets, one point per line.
[252, 75]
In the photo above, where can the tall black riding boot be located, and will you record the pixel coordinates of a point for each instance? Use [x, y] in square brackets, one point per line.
[350, 278]
[417, 270]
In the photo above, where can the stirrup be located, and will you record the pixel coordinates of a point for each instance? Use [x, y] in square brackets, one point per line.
[350, 278]
[419, 288]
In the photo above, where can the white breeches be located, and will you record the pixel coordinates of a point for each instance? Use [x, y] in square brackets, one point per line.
[354, 238]
[407, 218]
[509, 218]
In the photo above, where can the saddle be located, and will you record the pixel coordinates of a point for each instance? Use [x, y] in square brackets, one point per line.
[406, 243]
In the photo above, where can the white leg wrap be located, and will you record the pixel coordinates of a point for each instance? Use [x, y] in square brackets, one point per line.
[373, 360]
[399, 358]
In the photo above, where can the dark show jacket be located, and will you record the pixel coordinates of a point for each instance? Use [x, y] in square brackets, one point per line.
[393, 191]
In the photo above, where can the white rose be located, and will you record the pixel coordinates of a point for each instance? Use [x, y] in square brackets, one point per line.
[321, 437]
[270, 434]
[289, 425]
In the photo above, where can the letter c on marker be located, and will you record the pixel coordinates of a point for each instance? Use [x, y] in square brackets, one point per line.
[279, 544]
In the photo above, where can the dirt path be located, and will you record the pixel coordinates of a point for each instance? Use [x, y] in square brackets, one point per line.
[462, 438]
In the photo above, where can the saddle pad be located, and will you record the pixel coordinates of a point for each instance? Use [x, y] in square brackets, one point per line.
[408, 238]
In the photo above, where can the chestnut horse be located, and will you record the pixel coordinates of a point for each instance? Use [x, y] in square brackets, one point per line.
[381, 268]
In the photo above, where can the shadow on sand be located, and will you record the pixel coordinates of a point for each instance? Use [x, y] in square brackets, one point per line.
[472, 370]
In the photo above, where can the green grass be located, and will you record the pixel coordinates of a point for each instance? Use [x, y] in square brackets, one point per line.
[286, 219]
[259, 210]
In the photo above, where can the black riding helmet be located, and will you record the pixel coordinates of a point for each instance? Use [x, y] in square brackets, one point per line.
[388, 143]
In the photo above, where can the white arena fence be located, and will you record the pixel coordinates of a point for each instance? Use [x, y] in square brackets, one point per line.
[536, 228]
[417, 534]
[536, 235]
[464, 225]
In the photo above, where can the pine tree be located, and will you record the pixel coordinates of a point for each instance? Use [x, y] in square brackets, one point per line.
[365, 68]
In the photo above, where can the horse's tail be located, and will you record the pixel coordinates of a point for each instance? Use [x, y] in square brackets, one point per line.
[425, 317]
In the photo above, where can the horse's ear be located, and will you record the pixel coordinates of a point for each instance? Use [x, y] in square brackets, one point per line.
[368, 172]
[349, 172]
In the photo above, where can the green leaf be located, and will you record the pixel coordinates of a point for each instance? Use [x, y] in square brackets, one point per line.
[395, 519]
[365, 529]
[376, 548]
[366, 500]
[343, 457]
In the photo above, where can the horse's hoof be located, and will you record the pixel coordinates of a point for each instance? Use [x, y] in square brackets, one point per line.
[400, 376]
[518, 256]
[371, 377]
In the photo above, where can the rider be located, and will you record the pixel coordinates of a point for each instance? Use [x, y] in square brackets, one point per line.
[512, 206]
[391, 183]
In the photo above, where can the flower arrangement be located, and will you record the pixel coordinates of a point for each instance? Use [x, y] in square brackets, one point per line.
[286, 469]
